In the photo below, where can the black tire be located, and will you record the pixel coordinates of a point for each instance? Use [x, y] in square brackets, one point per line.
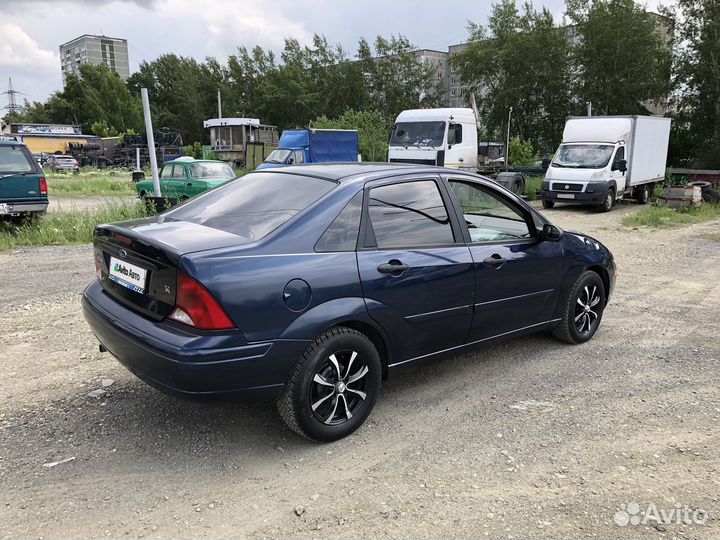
[548, 204]
[642, 193]
[583, 309]
[340, 411]
[609, 201]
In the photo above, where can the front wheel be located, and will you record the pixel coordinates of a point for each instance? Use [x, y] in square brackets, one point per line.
[548, 204]
[609, 201]
[333, 387]
[583, 309]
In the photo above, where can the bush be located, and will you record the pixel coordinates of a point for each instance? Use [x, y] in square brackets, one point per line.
[522, 153]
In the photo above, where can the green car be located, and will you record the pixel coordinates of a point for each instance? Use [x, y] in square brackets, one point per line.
[185, 177]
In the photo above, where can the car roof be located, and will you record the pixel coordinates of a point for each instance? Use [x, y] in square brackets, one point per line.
[7, 142]
[185, 161]
[350, 172]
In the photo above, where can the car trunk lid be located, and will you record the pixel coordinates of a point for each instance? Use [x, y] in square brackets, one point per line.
[137, 261]
[21, 187]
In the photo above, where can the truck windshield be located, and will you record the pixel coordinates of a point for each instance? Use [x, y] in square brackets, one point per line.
[583, 156]
[418, 134]
[279, 155]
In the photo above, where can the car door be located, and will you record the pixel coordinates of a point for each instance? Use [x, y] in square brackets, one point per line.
[166, 187]
[417, 278]
[517, 276]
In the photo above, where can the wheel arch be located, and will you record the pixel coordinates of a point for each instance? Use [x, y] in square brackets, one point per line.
[379, 340]
[604, 276]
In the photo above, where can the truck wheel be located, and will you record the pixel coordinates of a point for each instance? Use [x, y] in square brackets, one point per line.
[583, 310]
[548, 204]
[642, 193]
[609, 202]
[333, 387]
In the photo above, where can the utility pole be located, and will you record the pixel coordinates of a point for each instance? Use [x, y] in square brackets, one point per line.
[589, 108]
[150, 141]
[219, 104]
[507, 145]
[12, 105]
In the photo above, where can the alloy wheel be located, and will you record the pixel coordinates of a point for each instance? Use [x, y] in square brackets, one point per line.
[586, 309]
[338, 388]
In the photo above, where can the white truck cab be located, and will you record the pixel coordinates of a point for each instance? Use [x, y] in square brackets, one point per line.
[445, 137]
[606, 158]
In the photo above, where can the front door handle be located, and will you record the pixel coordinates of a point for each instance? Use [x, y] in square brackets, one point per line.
[494, 260]
[189, 184]
[392, 267]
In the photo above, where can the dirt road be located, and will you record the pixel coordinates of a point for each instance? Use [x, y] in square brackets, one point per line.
[530, 438]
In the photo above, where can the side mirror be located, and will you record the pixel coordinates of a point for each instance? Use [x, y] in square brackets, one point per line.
[545, 164]
[620, 165]
[290, 161]
[550, 233]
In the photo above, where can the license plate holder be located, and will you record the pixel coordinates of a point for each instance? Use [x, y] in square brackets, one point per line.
[565, 195]
[128, 275]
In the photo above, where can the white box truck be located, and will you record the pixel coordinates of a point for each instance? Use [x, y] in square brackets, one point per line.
[603, 159]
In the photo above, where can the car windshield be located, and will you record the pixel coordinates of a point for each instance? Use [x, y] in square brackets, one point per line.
[14, 159]
[417, 134]
[583, 156]
[279, 155]
[211, 170]
[253, 206]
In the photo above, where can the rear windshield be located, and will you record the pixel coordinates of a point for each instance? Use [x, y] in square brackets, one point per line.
[14, 159]
[255, 205]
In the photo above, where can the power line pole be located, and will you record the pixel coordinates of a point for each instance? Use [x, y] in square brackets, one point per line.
[12, 105]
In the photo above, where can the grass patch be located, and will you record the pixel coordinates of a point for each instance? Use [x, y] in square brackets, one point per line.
[90, 183]
[66, 227]
[661, 217]
[532, 186]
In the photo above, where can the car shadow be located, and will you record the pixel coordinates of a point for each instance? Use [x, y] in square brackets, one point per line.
[134, 425]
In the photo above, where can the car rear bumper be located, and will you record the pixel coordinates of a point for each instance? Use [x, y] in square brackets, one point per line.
[181, 362]
[18, 207]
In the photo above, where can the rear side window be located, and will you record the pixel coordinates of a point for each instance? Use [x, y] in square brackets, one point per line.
[255, 205]
[342, 233]
[409, 214]
[14, 159]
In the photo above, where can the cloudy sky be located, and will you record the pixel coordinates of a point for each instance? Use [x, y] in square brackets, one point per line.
[32, 30]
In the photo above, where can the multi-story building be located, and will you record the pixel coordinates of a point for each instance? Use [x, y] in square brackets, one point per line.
[96, 50]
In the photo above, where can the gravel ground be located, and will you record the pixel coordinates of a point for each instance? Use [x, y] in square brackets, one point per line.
[530, 438]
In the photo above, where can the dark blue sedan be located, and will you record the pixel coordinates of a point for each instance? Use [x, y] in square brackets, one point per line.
[312, 284]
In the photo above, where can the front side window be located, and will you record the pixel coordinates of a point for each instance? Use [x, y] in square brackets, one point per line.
[279, 155]
[298, 157]
[14, 159]
[583, 156]
[620, 154]
[488, 216]
[254, 206]
[166, 171]
[454, 134]
[418, 134]
[409, 214]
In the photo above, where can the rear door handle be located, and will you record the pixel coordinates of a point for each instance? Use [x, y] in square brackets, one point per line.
[189, 184]
[392, 267]
[494, 260]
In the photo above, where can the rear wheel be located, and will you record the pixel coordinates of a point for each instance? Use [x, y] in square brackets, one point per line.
[583, 309]
[548, 204]
[642, 193]
[333, 387]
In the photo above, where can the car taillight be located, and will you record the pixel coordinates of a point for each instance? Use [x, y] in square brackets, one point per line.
[195, 306]
[43, 186]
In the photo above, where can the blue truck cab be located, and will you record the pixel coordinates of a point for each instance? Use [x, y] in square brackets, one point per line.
[23, 187]
[297, 146]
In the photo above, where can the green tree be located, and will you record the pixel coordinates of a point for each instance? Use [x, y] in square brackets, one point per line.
[373, 129]
[521, 152]
[520, 60]
[696, 132]
[622, 60]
